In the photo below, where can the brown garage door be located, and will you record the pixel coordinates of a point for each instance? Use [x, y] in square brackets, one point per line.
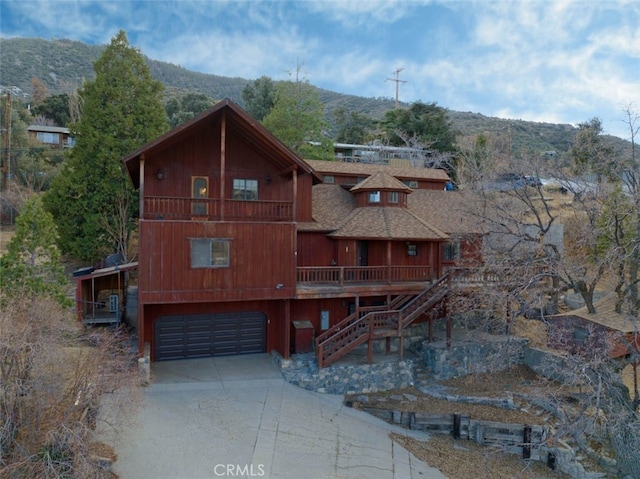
[204, 335]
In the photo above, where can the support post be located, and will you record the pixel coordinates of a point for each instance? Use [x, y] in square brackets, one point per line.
[370, 342]
[223, 163]
[287, 328]
[448, 328]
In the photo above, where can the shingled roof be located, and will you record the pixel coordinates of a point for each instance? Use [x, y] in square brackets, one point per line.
[380, 222]
[381, 181]
[365, 169]
[446, 210]
[430, 214]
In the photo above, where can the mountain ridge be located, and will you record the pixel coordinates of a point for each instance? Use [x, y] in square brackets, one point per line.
[63, 64]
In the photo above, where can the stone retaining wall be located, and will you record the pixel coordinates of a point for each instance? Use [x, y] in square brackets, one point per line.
[472, 355]
[349, 378]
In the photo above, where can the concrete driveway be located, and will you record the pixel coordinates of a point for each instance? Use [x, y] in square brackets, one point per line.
[237, 417]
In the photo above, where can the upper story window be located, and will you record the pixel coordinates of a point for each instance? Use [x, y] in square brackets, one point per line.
[393, 197]
[374, 197]
[244, 189]
[210, 253]
[411, 183]
[412, 250]
[49, 138]
[451, 251]
[199, 190]
[329, 179]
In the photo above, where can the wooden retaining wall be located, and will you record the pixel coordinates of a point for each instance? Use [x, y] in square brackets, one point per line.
[522, 439]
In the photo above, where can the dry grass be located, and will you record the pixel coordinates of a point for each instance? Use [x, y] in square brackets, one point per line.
[465, 459]
[6, 233]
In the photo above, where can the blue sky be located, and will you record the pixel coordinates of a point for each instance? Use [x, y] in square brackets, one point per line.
[560, 61]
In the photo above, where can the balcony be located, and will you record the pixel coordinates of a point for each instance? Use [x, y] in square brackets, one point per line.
[181, 209]
[329, 281]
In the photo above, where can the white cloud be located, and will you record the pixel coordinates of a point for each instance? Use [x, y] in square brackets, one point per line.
[364, 14]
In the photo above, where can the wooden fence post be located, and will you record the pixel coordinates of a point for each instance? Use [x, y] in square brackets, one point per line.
[456, 426]
[526, 446]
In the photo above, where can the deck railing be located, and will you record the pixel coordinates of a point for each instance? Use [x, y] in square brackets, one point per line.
[341, 275]
[368, 324]
[207, 209]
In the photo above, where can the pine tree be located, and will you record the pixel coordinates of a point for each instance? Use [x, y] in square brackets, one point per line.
[92, 200]
[31, 267]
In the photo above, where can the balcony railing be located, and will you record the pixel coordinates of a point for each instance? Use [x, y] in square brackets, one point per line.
[344, 275]
[206, 209]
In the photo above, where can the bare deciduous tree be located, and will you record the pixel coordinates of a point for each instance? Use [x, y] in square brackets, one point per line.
[53, 378]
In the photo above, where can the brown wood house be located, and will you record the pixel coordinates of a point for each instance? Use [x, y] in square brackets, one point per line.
[54, 136]
[244, 247]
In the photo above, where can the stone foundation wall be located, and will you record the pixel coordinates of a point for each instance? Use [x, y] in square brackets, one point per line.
[483, 354]
[350, 378]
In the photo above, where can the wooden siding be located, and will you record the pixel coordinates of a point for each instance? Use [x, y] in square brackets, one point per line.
[305, 184]
[261, 257]
[310, 310]
[199, 155]
[362, 199]
[316, 249]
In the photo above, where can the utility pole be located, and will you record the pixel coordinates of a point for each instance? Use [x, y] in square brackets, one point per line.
[398, 81]
[7, 141]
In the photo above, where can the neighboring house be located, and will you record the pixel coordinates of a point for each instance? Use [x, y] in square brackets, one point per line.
[245, 248]
[607, 331]
[53, 136]
[378, 154]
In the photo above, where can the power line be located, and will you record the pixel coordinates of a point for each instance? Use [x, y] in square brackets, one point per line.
[398, 81]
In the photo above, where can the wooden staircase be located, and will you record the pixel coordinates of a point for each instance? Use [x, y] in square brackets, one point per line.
[378, 322]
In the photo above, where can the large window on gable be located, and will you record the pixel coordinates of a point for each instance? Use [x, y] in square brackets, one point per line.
[210, 252]
[245, 189]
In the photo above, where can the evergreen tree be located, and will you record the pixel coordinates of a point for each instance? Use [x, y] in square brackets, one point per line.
[31, 267]
[56, 108]
[427, 122]
[92, 198]
[297, 119]
[182, 109]
[259, 97]
[353, 127]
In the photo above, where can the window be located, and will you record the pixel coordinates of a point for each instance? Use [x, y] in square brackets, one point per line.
[411, 183]
[329, 179]
[412, 250]
[245, 189]
[210, 253]
[393, 197]
[199, 190]
[49, 138]
[374, 197]
[451, 251]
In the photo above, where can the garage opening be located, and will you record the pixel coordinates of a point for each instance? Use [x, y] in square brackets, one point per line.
[205, 335]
